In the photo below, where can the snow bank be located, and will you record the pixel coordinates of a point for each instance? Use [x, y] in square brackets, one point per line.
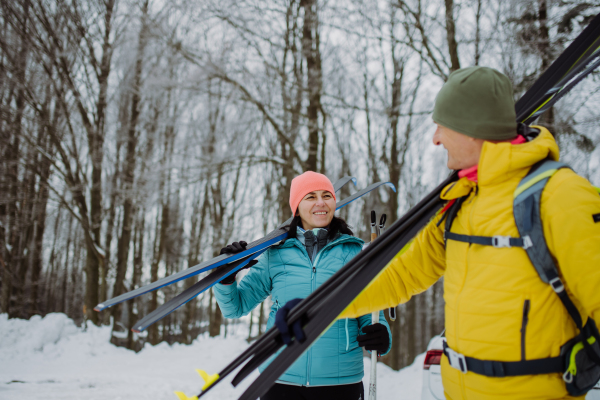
[21, 337]
[51, 357]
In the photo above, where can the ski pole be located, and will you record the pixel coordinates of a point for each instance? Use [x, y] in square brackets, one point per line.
[374, 320]
[391, 310]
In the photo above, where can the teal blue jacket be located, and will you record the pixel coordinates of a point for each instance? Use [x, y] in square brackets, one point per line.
[286, 272]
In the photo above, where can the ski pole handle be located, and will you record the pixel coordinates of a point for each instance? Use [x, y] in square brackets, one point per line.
[373, 226]
[382, 224]
[392, 313]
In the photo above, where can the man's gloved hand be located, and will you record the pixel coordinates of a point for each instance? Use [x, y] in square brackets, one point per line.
[233, 248]
[282, 326]
[375, 338]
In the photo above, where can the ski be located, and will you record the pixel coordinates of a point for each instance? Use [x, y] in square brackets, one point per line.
[257, 245]
[566, 84]
[271, 341]
[579, 52]
[225, 271]
[204, 284]
[321, 308]
[271, 239]
[321, 313]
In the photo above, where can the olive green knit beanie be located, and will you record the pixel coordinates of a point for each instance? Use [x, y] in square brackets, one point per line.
[477, 102]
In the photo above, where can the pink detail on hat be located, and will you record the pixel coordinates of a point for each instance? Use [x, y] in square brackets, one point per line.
[306, 183]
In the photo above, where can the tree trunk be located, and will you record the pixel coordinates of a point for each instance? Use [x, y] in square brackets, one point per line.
[40, 219]
[138, 251]
[23, 244]
[110, 226]
[95, 262]
[216, 318]
[15, 221]
[157, 256]
[451, 36]
[251, 326]
[129, 167]
[478, 32]
[544, 49]
[408, 333]
[261, 317]
[310, 49]
[198, 222]
[393, 358]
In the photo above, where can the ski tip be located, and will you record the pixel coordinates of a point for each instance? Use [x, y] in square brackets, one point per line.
[136, 329]
[391, 185]
[354, 181]
[208, 379]
[182, 396]
[99, 307]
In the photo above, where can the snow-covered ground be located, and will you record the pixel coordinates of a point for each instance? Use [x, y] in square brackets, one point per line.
[51, 358]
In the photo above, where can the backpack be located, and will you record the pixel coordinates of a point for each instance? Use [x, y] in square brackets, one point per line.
[579, 359]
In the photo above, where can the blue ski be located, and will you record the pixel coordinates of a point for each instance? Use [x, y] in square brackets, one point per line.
[193, 291]
[272, 238]
[208, 282]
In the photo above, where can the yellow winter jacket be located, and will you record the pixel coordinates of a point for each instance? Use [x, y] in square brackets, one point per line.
[485, 288]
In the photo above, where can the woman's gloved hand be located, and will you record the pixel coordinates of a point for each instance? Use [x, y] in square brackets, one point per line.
[375, 338]
[233, 248]
[282, 325]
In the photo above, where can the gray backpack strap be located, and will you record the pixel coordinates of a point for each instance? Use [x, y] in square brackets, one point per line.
[527, 216]
[529, 223]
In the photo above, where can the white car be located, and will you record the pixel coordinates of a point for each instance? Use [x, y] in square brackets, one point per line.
[432, 377]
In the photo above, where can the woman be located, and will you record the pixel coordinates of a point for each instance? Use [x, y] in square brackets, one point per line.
[318, 245]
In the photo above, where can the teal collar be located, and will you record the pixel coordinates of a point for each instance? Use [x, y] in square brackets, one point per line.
[300, 233]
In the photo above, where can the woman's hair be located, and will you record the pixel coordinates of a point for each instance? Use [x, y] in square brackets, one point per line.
[337, 225]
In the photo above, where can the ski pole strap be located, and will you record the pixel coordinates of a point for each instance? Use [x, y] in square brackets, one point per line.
[495, 241]
[500, 369]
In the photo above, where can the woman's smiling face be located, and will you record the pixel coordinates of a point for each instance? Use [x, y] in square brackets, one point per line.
[316, 209]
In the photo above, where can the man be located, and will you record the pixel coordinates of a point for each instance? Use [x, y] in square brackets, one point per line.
[497, 307]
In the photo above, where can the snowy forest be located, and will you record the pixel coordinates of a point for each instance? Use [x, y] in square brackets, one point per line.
[139, 137]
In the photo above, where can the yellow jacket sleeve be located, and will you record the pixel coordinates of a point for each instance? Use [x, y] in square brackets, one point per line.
[418, 266]
[568, 205]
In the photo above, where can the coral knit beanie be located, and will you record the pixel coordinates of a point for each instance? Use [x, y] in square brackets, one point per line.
[306, 183]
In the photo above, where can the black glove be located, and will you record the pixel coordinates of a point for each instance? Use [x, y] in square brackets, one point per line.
[233, 248]
[375, 337]
[282, 326]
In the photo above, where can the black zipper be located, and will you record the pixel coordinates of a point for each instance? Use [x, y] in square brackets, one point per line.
[524, 327]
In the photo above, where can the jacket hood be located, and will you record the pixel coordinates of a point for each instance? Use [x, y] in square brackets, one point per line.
[500, 162]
